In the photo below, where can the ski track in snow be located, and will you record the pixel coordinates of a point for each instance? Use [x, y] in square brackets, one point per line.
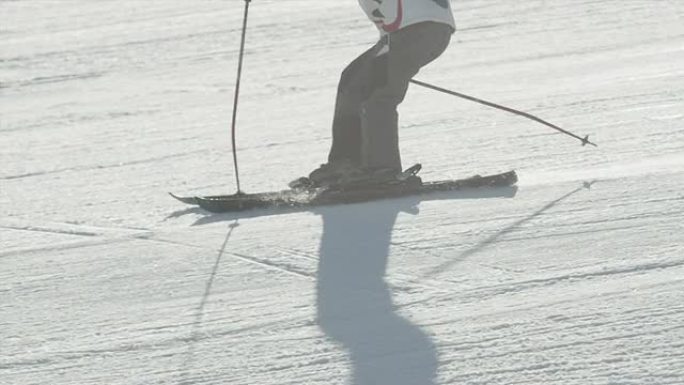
[106, 106]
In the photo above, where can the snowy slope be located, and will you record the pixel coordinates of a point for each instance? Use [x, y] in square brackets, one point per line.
[107, 105]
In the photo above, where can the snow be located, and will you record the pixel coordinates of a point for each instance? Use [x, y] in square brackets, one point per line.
[104, 279]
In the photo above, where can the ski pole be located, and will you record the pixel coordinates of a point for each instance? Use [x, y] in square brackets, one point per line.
[584, 140]
[237, 94]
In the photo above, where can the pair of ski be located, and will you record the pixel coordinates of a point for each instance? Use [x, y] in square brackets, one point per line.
[304, 194]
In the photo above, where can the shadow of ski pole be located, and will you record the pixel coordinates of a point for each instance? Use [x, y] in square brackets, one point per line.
[495, 237]
[199, 312]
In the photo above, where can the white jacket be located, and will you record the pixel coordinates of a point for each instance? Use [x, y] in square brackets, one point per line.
[392, 15]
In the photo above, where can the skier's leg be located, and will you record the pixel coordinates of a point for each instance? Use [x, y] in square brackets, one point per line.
[410, 49]
[354, 87]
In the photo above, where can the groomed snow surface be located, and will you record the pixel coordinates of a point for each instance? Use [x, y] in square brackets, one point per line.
[104, 279]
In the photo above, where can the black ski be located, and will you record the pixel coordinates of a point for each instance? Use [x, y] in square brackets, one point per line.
[333, 195]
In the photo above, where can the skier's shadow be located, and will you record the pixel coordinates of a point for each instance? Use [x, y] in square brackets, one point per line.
[354, 303]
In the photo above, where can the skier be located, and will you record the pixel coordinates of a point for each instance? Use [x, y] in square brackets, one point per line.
[365, 144]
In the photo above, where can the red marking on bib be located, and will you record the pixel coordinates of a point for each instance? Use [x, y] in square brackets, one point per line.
[397, 22]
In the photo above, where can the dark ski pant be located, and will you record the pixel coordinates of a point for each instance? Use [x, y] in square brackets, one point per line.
[365, 125]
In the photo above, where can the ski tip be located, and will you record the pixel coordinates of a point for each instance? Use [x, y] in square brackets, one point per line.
[187, 200]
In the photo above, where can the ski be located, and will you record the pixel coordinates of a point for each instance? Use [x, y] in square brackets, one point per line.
[411, 185]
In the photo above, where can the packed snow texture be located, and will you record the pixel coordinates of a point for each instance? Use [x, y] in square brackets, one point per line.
[104, 279]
